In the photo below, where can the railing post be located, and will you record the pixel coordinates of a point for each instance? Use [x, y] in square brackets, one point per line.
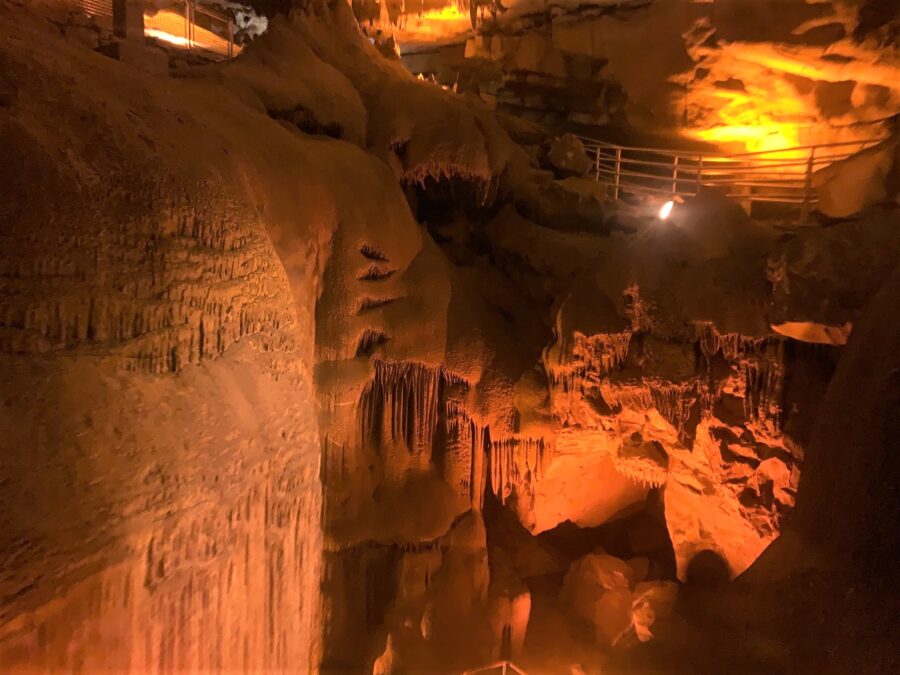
[230, 39]
[807, 188]
[675, 177]
[699, 175]
[128, 18]
[618, 173]
[597, 164]
[187, 23]
[504, 668]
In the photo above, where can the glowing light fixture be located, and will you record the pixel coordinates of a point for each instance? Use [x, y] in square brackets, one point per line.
[666, 210]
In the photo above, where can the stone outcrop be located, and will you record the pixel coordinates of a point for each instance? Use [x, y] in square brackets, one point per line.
[849, 186]
[567, 156]
[821, 279]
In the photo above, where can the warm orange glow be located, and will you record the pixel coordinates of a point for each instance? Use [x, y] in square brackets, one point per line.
[434, 24]
[860, 65]
[167, 37]
[764, 137]
[777, 102]
[169, 26]
[764, 118]
[450, 13]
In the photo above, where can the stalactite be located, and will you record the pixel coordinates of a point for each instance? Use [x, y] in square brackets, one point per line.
[368, 341]
[602, 354]
[515, 462]
[633, 398]
[764, 382]
[731, 345]
[400, 404]
[464, 454]
[644, 463]
[675, 402]
[637, 310]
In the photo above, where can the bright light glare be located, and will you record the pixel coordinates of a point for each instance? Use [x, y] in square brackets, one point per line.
[666, 210]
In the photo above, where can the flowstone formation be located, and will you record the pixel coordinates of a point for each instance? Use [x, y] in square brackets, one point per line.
[663, 374]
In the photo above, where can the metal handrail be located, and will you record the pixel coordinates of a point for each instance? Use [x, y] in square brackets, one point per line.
[669, 151]
[177, 25]
[103, 8]
[217, 16]
[504, 666]
[762, 176]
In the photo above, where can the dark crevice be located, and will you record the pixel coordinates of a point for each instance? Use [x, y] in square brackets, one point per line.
[376, 273]
[369, 341]
[374, 303]
[370, 252]
[304, 120]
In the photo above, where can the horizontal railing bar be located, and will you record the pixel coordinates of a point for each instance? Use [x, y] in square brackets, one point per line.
[706, 176]
[656, 190]
[838, 144]
[782, 176]
[775, 178]
[692, 180]
[776, 198]
[686, 182]
[601, 144]
[594, 144]
[688, 163]
[725, 168]
[494, 666]
[635, 174]
[776, 195]
[643, 162]
[773, 200]
[775, 162]
[796, 184]
[199, 9]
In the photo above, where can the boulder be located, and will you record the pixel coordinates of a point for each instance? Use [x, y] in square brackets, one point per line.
[567, 156]
[847, 187]
[652, 601]
[597, 589]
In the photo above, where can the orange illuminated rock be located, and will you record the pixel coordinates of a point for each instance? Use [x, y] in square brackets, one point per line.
[722, 497]
[638, 403]
[847, 187]
[652, 603]
[598, 590]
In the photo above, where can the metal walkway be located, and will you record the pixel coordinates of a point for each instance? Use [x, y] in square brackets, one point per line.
[777, 176]
[185, 24]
